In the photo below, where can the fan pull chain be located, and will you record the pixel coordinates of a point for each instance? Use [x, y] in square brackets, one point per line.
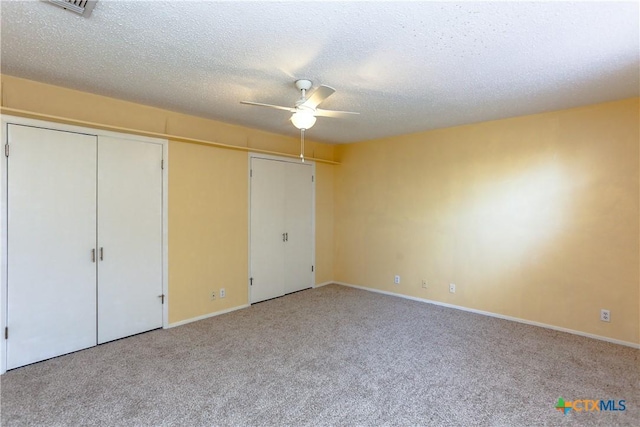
[302, 144]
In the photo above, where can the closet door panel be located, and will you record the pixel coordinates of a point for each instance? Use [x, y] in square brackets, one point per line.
[267, 229]
[299, 227]
[51, 234]
[129, 237]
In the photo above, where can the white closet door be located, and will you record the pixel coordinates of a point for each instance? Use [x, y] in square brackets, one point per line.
[51, 234]
[129, 237]
[267, 229]
[299, 227]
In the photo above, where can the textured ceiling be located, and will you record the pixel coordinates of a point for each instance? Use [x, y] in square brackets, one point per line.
[405, 66]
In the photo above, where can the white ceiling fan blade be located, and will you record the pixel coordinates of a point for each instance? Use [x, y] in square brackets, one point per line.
[278, 107]
[318, 95]
[333, 113]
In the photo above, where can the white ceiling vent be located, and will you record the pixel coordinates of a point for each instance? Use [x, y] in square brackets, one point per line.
[81, 7]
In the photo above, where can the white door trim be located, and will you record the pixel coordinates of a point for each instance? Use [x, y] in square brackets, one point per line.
[5, 121]
[252, 155]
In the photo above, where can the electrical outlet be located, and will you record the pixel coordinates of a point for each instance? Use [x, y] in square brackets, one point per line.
[605, 315]
[396, 280]
[424, 284]
[223, 293]
[213, 295]
[452, 288]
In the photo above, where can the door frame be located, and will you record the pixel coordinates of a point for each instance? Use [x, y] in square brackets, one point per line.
[5, 121]
[251, 156]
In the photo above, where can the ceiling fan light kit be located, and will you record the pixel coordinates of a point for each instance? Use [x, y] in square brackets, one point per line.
[305, 111]
[303, 119]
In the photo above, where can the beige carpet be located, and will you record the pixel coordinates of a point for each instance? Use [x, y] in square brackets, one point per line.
[330, 356]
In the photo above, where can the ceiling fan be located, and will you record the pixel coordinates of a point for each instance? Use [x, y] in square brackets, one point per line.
[306, 109]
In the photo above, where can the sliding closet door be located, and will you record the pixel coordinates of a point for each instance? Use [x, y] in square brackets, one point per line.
[267, 229]
[52, 235]
[299, 227]
[129, 237]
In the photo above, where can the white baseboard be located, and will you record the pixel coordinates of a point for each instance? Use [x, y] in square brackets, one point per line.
[206, 316]
[499, 316]
[323, 284]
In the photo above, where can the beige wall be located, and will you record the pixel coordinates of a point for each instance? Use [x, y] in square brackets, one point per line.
[534, 217]
[208, 191]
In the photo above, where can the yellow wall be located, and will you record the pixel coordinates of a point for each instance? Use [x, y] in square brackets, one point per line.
[534, 217]
[208, 191]
[324, 223]
[208, 231]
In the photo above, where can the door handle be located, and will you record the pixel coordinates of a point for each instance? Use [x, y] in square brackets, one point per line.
[101, 254]
[93, 255]
[286, 237]
[283, 238]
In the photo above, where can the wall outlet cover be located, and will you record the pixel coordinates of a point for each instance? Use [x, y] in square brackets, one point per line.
[452, 288]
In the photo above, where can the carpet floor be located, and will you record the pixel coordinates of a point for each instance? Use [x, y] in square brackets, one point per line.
[330, 356]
